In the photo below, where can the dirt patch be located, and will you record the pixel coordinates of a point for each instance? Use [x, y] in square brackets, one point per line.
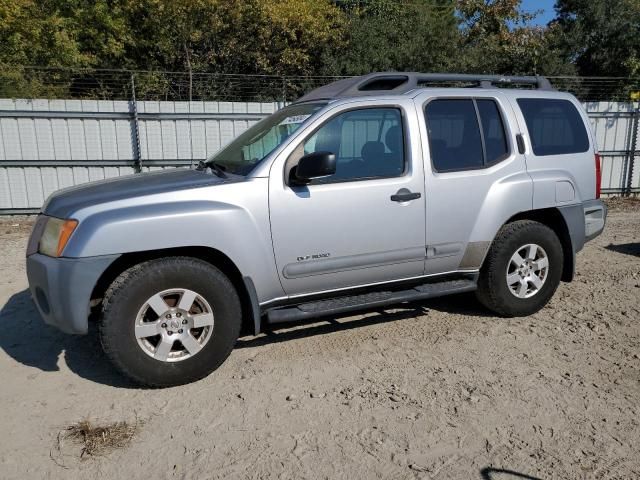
[623, 203]
[436, 389]
[20, 225]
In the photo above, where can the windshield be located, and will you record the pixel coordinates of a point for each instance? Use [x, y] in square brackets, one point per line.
[246, 151]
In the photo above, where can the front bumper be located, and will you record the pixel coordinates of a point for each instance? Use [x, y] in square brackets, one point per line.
[61, 288]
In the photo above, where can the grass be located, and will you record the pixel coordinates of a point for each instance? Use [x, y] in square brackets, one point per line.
[98, 439]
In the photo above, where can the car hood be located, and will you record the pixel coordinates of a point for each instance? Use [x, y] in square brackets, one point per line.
[64, 203]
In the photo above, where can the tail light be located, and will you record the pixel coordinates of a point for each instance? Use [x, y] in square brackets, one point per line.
[598, 175]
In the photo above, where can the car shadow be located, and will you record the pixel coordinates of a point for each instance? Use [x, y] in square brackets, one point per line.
[325, 325]
[490, 473]
[28, 340]
[461, 304]
[632, 248]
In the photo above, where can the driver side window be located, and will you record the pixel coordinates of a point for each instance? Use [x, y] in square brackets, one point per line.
[367, 143]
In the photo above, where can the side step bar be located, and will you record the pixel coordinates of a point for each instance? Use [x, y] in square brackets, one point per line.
[368, 300]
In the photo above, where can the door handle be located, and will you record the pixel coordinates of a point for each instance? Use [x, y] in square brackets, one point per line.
[404, 195]
[520, 142]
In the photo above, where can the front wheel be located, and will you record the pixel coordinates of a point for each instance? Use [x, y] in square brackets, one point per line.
[522, 269]
[170, 321]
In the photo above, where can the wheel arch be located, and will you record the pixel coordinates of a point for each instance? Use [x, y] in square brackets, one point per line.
[243, 285]
[556, 220]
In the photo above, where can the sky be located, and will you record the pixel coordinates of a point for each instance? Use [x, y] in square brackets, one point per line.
[546, 5]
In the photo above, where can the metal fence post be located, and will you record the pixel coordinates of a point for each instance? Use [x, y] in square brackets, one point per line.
[284, 90]
[135, 127]
[633, 148]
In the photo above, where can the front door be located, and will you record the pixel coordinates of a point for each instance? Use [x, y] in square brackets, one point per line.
[346, 230]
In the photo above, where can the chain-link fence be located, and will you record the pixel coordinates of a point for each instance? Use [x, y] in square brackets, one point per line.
[33, 82]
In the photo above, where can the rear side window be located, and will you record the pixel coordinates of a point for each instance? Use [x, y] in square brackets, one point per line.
[555, 126]
[465, 133]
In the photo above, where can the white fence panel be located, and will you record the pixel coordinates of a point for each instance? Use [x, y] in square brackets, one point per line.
[613, 124]
[46, 145]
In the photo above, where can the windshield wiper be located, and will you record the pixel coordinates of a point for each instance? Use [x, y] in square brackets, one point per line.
[215, 168]
[219, 169]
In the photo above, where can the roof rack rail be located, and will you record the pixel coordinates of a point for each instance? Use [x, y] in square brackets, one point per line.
[397, 83]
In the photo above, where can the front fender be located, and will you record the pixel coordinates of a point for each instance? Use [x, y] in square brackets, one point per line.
[239, 230]
[155, 226]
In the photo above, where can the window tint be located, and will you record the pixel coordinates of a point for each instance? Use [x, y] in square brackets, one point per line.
[495, 140]
[368, 143]
[454, 134]
[555, 126]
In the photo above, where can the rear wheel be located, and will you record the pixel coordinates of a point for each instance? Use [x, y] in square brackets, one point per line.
[170, 321]
[522, 269]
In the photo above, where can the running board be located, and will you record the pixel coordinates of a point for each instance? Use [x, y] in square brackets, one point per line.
[368, 300]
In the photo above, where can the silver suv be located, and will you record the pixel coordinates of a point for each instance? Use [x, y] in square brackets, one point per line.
[366, 192]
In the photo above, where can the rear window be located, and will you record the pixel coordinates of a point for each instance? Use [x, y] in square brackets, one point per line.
[555, 126]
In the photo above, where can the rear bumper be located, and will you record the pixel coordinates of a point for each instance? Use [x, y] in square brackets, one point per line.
[61, 288]
[584, 221]
[595, 217]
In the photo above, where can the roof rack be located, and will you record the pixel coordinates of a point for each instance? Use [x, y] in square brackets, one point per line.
[397, 83]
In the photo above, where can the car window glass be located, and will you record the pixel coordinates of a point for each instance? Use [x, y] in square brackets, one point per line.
[368, 143]
[555, 126]
[262, 146]
[247, 150]
[454, 134]
[495, 139]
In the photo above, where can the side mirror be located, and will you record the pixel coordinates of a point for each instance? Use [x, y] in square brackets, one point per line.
[314, 165]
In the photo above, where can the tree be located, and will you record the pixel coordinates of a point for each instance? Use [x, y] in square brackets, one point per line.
[602, 36]
[300, 38]
[234, 36]
[392, 35]
[277, 37]
[497, 37]
[31, 35]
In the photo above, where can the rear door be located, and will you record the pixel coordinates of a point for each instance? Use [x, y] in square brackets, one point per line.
[475, 177]
[350, 229]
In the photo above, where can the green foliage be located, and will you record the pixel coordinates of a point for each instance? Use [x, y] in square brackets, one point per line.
[231, 36]
[389, 35]
[50, 33]
[603, 36]
[31, 35]
[303, 38]
[497, 37]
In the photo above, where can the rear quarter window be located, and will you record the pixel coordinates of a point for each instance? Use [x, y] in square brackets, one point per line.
[555, 126]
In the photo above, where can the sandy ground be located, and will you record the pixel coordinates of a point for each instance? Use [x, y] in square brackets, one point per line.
[440, 389]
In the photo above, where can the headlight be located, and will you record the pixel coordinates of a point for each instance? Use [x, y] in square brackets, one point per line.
[55, 236]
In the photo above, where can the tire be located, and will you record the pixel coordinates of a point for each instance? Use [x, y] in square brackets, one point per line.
[185, 343]
[515, 291]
